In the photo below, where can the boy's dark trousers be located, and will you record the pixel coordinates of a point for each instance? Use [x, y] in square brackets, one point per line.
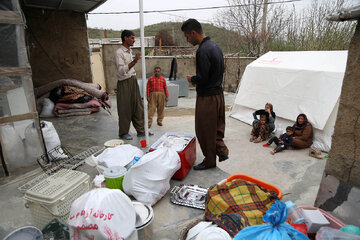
[278, 147]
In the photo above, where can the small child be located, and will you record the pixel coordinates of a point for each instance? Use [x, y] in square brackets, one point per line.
[283, 142]
[260, 131]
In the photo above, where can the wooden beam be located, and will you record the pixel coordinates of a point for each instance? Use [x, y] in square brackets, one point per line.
[15, 71]
[21, 117]
[10, 17]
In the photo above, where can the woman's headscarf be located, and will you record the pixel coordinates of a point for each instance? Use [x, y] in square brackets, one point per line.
[298, 126]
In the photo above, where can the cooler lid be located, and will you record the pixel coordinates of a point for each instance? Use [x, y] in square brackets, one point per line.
[114, 172]
[144, 215]
[56, 186]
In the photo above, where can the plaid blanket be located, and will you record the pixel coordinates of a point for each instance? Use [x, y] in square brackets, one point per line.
[237, 204]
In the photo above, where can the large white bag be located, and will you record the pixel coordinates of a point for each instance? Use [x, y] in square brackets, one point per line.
[52, 140]
[112, 157]
[149, 179]
[102, 214]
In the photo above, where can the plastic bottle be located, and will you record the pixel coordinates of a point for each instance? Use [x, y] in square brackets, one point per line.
[294, 213]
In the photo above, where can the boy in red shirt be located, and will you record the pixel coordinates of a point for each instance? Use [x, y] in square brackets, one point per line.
[157, 94]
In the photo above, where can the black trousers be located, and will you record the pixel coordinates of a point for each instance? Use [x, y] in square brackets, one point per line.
[279, 145]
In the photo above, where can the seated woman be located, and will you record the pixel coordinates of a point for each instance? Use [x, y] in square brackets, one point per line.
[303, 133]
[270, 115]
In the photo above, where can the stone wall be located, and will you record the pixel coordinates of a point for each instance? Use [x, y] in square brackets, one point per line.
[234, 67]
[58, 45]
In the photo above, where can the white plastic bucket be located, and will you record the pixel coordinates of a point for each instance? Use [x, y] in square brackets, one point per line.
[113, 143]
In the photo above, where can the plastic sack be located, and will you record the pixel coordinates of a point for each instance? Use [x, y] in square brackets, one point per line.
[149, 179]
[328, 233]
[48, 108]
[13, 146]
[102, 214]
[52, 140]
[32, 142]
[275, 229]
[113, 157]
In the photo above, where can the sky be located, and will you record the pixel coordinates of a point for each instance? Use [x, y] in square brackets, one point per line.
[132, 21]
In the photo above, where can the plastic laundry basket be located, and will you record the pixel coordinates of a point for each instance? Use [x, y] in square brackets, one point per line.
[52, 197]
[114, 177]
[263, 184]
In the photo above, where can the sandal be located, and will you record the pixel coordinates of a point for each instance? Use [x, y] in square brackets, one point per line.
[252, 138]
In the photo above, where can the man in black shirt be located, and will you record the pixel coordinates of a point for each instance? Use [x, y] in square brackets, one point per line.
[210, 104]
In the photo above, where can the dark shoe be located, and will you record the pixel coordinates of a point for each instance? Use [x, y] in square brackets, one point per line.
[149, 126]
[223, 158]
[143, 134]
[201, 166]
[126, 136]
[159, 123]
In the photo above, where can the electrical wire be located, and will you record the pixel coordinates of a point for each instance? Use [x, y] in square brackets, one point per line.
[194, 9]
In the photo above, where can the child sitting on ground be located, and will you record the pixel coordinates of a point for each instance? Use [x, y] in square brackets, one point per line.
[283, 142]
[260, 131]
[269, 113]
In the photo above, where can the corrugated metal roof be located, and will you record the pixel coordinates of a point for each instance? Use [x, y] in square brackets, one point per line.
[72, 5]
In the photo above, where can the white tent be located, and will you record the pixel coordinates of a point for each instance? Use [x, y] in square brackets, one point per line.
[294, 82]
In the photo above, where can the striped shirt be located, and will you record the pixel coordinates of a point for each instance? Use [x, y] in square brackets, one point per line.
[156, 85]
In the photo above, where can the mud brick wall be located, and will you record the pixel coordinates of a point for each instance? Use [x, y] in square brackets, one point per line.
[58, 45]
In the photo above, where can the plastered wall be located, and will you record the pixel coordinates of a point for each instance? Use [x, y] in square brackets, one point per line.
[344, 157]
[58, 45]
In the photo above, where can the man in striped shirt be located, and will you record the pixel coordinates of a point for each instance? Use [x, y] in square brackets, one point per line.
[157, 94]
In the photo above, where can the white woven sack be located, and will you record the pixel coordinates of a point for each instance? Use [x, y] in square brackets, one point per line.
[102, 214]
[52, 140]
[149, 179]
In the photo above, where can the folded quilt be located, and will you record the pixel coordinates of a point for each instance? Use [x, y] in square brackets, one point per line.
[91, 88]
[73, 109]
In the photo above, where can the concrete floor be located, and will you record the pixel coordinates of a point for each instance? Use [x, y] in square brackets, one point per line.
[293, 171]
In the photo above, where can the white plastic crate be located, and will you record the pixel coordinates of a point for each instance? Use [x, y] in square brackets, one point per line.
[52, 197]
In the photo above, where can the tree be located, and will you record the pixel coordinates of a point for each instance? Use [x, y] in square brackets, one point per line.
[286, 29]
[166, 38]
[317, 33]
[246, 18]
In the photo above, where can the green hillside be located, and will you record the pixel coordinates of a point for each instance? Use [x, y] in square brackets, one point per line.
[173, 28]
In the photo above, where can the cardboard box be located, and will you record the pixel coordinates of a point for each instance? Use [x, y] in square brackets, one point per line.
[314, 220]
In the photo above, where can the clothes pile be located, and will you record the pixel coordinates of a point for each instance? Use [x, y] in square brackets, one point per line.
[70, 97]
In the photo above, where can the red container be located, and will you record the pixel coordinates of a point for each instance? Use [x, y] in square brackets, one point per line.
[301, 227]
[187, 157]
